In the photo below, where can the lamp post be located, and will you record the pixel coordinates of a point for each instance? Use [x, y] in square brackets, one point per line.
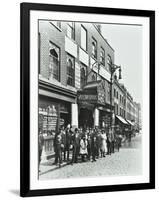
[113, 68]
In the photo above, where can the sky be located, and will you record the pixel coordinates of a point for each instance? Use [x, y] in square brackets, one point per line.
[126, 40]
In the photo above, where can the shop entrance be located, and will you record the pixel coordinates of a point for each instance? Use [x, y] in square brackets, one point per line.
[65, 119]
[86, 118]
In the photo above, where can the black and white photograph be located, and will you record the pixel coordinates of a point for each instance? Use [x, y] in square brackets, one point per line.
[87, 95]
[90, 99]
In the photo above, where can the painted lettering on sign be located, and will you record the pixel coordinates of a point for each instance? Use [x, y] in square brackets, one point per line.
[86, 97]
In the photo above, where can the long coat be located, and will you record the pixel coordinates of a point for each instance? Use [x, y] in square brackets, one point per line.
[103, 143]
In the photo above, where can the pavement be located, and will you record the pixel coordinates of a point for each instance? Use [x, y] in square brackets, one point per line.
[125, 162]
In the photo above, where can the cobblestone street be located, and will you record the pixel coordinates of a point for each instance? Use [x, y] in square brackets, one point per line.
[125, 162]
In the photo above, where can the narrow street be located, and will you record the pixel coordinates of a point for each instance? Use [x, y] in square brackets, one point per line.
[125, 162]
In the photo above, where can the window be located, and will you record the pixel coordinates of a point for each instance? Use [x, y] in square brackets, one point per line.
[70, 70]
[54, 64]
[114, 92]
[109, 62]
[83, 38]
[120, 98]
[83, 76]
[117, 95]
[94, 77]
[71, 30]
[120, 112]
[56, 23]
[102, 56]
[117, 109]
[94, 48]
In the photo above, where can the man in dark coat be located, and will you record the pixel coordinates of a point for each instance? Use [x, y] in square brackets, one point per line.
[63, 149]
[58, 142]
[94, 146]
[68, 141]
[76, 146]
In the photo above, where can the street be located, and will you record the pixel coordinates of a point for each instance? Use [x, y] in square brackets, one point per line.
[125, 162]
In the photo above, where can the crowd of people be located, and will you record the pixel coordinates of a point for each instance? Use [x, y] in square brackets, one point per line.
[81, 145]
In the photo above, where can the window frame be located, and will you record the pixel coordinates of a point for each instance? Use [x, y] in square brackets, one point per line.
[59, 63]
[72, 28]
[85, 79]
[103, 61]
[69, 57]
[82, 27]
[94, 56]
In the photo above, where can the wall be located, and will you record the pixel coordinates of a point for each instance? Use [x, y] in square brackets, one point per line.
[10, 104]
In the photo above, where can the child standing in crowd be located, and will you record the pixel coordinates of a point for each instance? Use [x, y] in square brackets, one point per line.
[83, 148]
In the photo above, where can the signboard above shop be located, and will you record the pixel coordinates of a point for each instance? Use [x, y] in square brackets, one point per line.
[87, 97]
[93, 92]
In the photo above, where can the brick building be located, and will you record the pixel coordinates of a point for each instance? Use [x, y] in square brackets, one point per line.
[74, 77]
[74, 64]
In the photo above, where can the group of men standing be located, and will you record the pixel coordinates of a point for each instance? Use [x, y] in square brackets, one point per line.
[88, 144]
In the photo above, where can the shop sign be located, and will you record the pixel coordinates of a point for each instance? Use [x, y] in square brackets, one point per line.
[101, 93]
[87, 97]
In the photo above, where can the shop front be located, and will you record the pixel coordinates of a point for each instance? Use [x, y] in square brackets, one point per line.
[104, 117]
[57, 108]
[121, 126]
[93, 108]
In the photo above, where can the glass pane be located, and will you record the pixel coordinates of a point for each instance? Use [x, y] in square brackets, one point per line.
[83, 38]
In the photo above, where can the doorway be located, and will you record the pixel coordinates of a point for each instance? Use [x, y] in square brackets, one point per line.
[86, 118]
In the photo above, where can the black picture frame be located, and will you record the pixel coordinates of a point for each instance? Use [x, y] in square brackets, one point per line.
[25, 9]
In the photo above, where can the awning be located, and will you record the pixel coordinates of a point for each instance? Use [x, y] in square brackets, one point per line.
[121, 119]
[130, 122]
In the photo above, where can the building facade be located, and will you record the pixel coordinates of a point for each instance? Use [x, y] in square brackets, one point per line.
[74, 60]
[74, 78]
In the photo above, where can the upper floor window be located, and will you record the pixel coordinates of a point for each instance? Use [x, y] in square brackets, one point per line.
[54, 62]
[109, 62]
[114, 92]
[94, 77]
[70, 70]
[71, 30]
[83, 76]
[83, 38]
[94, 48]
[120, 98]
[117, 94]
[102, 56]
[56, 23]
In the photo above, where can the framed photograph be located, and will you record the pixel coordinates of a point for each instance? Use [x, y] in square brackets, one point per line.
[87, 99]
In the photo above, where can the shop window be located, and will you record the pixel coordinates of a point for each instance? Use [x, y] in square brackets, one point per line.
[70, 70]
[83, 38]
[102, 56]
[54, 64]
[83, 76]
[71, 30]
[94, 48]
